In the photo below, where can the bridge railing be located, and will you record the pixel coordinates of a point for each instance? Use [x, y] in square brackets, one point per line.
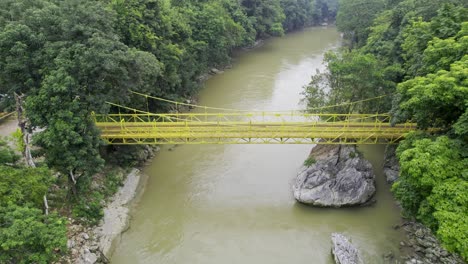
[289, 118]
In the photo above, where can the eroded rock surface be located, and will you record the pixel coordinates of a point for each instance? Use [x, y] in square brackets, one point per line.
[343, 251]
[338, 177]
[426, 247]
[391, 165]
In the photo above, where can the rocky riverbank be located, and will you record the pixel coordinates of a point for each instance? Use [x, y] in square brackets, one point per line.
[337, 176]
[421, 246]
[89, 245]
[424, 247]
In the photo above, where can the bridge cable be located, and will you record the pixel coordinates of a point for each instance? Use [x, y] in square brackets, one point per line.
[243, 110]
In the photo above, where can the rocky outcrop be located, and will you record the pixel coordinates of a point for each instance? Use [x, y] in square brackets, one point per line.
[391, 165]
[343, 251]
[425, 247]
[338, 177]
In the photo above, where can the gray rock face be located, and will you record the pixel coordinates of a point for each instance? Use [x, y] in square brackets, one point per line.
[88, 258]
[339, 177]
[343, 251]
[427, 249]
[391, 165]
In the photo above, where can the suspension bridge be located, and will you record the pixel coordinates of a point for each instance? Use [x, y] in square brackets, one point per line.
[233, 126]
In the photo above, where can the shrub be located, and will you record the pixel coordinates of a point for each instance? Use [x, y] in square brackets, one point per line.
[309, 161]
[90, 209]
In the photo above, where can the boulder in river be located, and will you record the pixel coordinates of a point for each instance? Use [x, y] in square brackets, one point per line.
[343, 251]
[338, 177]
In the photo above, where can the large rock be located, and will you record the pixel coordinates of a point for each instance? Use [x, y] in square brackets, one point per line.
[343, 251]
[339, 177]
[391, 165]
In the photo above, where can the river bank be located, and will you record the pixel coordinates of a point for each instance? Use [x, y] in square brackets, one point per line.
[94, 244]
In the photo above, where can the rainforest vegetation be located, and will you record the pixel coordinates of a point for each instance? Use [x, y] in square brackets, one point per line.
[66, 58]
[415, 52]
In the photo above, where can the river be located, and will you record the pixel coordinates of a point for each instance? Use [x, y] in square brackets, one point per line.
[233, 203]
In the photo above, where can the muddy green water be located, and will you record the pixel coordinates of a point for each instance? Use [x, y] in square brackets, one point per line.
[233, 203]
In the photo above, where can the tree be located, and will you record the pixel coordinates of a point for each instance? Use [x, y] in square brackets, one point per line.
[448, 21]
[23, 185]
[324, 10]
[70, 140]
[213, 26]
[7, 155]
[441, 53]
[298, 13]
[355, 17]
[351, 76]
[29, 236]
[449, 200]
[424, 164]
[416, 37]
[381, 39]
[436, 100]
[267, 16]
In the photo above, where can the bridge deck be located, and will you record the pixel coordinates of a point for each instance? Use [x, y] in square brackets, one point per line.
[250, 128]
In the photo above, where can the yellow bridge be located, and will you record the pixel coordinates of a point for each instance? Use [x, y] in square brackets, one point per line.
[242, 127]
[250, 128]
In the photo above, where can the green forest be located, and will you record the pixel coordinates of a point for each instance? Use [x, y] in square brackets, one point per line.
[63, 59]
[416, 53]
[66, 58]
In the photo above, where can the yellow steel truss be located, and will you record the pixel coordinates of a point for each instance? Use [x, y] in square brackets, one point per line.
[250, 128]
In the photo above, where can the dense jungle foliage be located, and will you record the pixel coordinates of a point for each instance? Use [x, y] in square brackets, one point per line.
[415, 52]
[68, 57]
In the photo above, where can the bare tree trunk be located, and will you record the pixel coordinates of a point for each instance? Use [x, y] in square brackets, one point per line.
[73, 180]
[22, 124]
[72, 177]
[46, 205]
